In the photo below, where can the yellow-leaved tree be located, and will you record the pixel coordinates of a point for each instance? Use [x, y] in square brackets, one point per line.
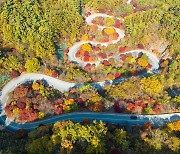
[32, 65]
[152, 85]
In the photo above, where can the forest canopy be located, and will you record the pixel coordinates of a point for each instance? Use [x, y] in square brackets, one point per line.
[33, 24]
[107, 56]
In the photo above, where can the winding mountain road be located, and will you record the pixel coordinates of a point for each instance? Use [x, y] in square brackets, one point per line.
[113, 118]
[154, 61]
[65, 86]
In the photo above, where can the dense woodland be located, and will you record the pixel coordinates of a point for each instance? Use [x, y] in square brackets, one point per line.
[95, 137]
[35, 36]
